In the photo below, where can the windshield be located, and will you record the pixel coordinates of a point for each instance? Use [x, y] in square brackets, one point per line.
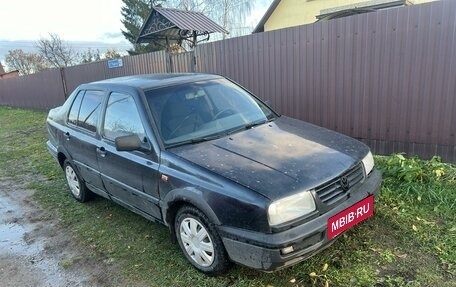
[192, 112]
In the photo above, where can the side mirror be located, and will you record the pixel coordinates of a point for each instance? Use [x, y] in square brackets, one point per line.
[128, 143]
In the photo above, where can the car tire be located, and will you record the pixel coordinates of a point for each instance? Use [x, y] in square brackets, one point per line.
[76, 185]
[200, 242]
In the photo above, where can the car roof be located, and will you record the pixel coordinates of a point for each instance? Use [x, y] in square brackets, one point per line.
[147, 81]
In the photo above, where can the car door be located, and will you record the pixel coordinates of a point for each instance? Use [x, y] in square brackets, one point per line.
[81, 138]
[129, 177]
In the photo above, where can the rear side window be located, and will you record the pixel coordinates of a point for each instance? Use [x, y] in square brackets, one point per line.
[74, 111]
[85, 110]
[122, 117]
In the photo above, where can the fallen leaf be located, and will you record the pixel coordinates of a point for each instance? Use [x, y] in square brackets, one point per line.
[327, 283]
[293, 280]
[414, 228]
[313, 274]
[439, 172]
[325, 267]
[425, 221]
[401, 255]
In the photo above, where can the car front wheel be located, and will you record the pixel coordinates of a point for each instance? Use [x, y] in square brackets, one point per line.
[200, 242]
[78, 189]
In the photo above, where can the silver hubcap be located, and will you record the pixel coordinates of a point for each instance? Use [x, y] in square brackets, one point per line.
[73, 181]
[197, 242]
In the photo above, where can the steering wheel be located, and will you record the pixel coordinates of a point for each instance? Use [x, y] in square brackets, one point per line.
[227, 111]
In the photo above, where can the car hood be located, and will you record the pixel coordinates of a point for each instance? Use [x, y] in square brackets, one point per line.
[279, 158]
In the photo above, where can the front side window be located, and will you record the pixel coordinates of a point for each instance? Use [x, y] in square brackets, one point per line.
[85, 110]
[191, 112]
[122, 117]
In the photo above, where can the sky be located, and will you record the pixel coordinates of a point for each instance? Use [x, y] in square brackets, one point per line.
[80, 20]
[76, 20]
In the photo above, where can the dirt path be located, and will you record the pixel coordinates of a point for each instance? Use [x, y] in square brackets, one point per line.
[36, 251]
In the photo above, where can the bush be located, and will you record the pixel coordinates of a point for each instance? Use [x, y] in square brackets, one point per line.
[399, 168]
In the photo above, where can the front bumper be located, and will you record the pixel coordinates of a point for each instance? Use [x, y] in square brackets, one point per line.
[263, 251]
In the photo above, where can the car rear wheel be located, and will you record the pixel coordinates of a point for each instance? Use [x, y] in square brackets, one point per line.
[199, 241]
[78, 189]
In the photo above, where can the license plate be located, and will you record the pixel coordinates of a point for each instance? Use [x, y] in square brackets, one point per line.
[350, 217]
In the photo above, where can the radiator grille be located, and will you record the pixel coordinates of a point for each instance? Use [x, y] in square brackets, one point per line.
[333, 190]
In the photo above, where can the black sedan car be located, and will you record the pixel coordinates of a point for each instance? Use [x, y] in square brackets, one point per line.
[233, 180]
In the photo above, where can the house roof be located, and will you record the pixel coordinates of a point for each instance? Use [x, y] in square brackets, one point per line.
[359, 8]
[175, 24]
[260, 27]
[344, 13]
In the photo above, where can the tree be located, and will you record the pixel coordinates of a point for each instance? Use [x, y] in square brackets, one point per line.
[233, 14]
[111, 54]
[134, 14]
[58, 53]
[25, 63]
[89, 56]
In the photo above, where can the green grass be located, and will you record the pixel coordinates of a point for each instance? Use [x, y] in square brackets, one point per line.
[410, 241]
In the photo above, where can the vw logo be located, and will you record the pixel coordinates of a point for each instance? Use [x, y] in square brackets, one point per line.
[344, 183]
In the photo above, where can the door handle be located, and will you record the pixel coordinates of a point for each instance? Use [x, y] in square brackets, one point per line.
[67, 135]
[101, 151]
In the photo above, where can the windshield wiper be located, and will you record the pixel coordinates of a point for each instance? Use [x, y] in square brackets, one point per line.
[254, 124]
[250, 125]
[197, 140]
[219, 135]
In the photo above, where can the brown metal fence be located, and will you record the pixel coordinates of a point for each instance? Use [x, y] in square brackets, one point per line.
[387, 78]
[38, 91]
[133, 65]
[183, 62]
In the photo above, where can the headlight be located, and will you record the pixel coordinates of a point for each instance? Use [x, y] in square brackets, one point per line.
[368, 162]
[290, 208]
